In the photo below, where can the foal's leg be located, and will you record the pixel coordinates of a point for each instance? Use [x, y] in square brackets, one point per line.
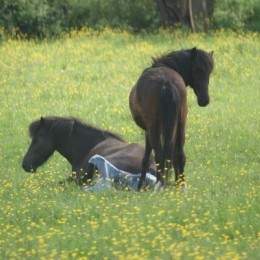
[145, 161]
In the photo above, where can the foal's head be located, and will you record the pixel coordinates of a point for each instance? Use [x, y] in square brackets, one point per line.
[202, 64]
[44, 134]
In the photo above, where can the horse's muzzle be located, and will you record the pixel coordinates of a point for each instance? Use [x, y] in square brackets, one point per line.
[203, 102]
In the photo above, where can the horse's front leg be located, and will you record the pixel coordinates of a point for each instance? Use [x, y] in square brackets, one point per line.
[72, 178]
[86, 177]
[145, 161]
[77, 176]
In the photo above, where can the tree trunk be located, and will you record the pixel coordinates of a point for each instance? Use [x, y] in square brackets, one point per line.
[193, 13]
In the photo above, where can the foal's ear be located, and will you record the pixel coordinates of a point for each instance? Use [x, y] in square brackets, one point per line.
[42, 122]
[211, 53]
[193, 53]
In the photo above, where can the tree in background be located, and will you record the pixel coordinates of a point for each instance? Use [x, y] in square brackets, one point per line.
[194, 13]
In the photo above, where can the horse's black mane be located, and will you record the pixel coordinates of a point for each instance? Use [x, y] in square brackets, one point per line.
[176, 59]
[171, 59]
[206, 62]
[63, 126]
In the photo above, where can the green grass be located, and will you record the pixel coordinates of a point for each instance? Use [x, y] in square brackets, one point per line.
[90, 75]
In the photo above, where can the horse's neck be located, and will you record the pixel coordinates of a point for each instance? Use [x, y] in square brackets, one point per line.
[78, 146]
[182, 65]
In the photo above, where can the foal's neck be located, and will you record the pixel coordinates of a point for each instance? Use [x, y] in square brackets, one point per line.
[78, 145]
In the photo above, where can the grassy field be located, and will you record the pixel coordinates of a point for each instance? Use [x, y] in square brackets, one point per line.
[89, 75]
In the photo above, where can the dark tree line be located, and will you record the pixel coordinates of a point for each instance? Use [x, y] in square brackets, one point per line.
[43, 18]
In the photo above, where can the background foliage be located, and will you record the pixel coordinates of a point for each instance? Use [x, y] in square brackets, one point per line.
[52, 17]
[237, 14]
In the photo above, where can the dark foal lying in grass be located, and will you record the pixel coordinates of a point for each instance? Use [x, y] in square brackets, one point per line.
[78, 142]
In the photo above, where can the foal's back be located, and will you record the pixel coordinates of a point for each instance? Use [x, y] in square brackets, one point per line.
[124, 156]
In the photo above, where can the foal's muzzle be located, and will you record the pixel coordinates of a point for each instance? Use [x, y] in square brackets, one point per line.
[28, 168]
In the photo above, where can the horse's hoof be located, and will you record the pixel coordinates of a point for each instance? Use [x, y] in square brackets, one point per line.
[184, 187]
[60, 183]
[84, 188]
[158, 187]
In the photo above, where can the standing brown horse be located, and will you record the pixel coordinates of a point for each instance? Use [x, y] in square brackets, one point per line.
[158, 104]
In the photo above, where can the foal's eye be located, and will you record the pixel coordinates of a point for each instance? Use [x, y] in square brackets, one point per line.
[40, 135]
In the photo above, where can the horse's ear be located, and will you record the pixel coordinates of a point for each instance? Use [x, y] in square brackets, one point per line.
[193, 53]
[42, 122]
[211, 53]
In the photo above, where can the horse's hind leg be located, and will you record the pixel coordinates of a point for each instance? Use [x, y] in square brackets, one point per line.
[160, 168]
[145, 161]
[168, 167]
[160, 163]
[179, 156]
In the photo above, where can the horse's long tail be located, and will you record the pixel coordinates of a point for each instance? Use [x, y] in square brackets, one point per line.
[169, 108]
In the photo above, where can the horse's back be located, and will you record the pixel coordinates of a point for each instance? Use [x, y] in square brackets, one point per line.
[145, 96]
[155, 78]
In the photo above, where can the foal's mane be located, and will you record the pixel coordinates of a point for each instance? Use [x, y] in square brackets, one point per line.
[64, 126]
[177, 59]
